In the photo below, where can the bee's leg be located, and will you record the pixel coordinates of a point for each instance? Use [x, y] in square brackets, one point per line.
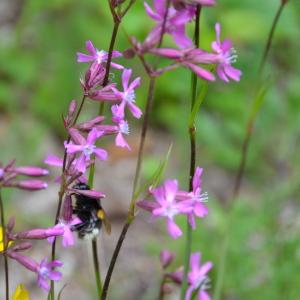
[79, 226]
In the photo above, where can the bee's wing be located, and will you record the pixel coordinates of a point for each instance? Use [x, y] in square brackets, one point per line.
[102, 215]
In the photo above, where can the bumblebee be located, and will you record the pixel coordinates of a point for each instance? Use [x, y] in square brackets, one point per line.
[91, 214]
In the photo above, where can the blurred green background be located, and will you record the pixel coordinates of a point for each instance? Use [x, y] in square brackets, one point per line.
[39, 76]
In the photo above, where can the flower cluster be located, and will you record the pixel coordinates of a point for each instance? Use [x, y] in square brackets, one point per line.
[172, 20]
[14, 243]
[9, 173]
[198, 281]
[169, 201]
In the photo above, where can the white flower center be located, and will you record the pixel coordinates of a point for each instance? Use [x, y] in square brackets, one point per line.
[100, 56]
[88, 150]
[203, 283]
[124, 127]
[44, 272]
[170, 211]
[230, 56]
[129, 96]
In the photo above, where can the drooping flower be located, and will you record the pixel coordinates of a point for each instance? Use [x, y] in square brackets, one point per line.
[86, 146]
[167, 206]
[127, 96]
[44, 270]
[173, 25]
[197, 278]
[99, 56]
[226, 55]
[67, 236]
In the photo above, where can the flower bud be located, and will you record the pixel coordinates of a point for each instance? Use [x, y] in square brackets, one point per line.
[21, 247]
[30, 171]
[30, 185]
[67, 208]
[25, 261]
[166, 258]
[88, 193]
[39, 233]
[88, 125]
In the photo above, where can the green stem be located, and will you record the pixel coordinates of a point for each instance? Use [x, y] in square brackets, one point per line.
[192, 137]
[251, 120]
[4, 248]
[270, 38]
[131, 211]
[97, 267]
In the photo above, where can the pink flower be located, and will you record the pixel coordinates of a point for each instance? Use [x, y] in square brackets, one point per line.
[197, 278]
[127, 96]
[67, 236]
[45, 272]
[196, 197]
[226, 55]
[99, 56]
[190, 58]
[174, 25]
[87, 147]
[167, 206]
[39, 233]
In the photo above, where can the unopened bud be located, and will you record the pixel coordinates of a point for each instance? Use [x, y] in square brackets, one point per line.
[166, 258]
[67, 208]
[40, 233]
[129, 53]
[89, 193]
[30, 171]
[25, 261]
[30, 185]
[21, 247]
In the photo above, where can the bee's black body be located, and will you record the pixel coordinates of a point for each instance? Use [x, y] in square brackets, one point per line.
[86, 209]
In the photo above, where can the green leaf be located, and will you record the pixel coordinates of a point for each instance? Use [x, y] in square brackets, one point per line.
[156, 177]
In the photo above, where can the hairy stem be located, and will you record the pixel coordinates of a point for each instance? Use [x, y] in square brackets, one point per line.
[2, 217]
[192, 137]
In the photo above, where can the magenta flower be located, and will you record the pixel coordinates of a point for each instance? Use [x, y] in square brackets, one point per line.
[174, 25]
[189, 58]
[45, 272]
[67, 236]
[39, 233]
[226, 55]
[167, 206]
[127, 96]
[197, 278]
[121, 128]
[99, 56]
[196, 197]
[87, 147]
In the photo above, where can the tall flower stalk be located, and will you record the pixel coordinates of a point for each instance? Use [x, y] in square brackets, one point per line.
[257, 102]
[192, 138]
[131, 211]
[4, 242]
